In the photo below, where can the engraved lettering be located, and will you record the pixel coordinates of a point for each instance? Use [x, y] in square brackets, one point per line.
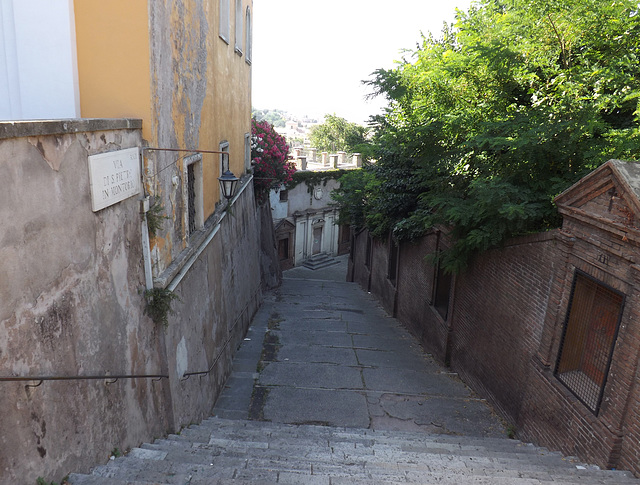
[115, 176]
[603, 258]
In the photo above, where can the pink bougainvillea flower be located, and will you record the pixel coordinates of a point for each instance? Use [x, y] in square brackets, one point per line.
[270, 159]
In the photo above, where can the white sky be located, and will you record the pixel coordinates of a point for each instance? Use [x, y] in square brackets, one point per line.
[309, 57]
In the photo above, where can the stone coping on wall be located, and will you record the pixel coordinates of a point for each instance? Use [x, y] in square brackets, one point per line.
[535, 237]
[21, 129]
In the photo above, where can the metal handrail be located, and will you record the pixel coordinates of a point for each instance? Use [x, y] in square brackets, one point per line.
[186, 375]
[111, 378]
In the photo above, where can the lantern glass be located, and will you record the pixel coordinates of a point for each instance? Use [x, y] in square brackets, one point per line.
[228, 183]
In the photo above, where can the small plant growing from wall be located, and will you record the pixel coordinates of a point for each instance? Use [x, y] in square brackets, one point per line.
[42, 481]
[158, 305]
[155, 218]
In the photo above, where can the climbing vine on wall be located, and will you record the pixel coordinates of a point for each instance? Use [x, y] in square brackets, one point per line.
[313, 179]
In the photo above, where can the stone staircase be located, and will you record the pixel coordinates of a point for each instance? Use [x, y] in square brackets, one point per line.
[320, 260]
[220, 451]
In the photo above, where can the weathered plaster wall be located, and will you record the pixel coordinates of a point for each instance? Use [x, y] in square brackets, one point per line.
[178, 36]
[301, 198]
[270, 271]
[70, 304]
[201, 97]
[164, 61]
[227, 106]
[278, 208]
[218, 298]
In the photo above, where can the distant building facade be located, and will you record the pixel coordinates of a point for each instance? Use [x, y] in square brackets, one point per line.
[304, 217]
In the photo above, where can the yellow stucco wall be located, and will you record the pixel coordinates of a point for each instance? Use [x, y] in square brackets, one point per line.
[113, 59]
[164, 62]
[227, 106]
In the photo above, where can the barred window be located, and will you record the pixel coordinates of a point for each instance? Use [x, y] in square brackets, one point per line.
[367, 257]
[247, 151]
[191, 197]
[192, 194]
[588, 339]
[392, 268]
[442, 291]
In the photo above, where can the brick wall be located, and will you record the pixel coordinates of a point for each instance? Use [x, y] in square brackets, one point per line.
[502, 333]
[415, 293]
[357, 269]
[380, 285]
[500, 307]
[551, 414]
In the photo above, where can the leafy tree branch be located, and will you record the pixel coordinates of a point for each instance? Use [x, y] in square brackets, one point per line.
[486, 124]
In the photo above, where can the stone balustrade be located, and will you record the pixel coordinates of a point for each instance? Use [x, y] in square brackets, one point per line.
[307, 159]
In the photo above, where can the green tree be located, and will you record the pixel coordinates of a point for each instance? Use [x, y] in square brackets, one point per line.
[513, 104]
[337, 134]
[353, 195]
[274, 117]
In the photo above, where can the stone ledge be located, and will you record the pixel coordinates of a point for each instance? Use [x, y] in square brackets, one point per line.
[21, 129]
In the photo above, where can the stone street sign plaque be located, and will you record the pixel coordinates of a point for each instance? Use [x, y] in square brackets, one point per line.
[114, 176]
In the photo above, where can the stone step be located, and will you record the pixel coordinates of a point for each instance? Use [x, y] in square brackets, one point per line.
[314, 451]
[407, 441]
[274, 472]
[225, 451]
[220, 467]
[318, 261]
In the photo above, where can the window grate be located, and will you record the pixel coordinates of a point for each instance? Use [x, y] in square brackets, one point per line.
[590, 330]
[392, 268]
[191, 197]
[367, 258]
[442, 292]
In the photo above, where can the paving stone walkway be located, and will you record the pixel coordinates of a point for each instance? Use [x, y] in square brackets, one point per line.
[329, 390]
[322, 351]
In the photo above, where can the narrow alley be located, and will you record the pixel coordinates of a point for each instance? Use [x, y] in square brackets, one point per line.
[327, 389]
[322, 351]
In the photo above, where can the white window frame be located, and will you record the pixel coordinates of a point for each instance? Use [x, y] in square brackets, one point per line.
[248, 48]
[225, 20]
[239, 22]
[195, 160]
[224, 157]
[247, 151]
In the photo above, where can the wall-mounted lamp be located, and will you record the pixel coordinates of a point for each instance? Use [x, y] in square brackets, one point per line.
[228, 183]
